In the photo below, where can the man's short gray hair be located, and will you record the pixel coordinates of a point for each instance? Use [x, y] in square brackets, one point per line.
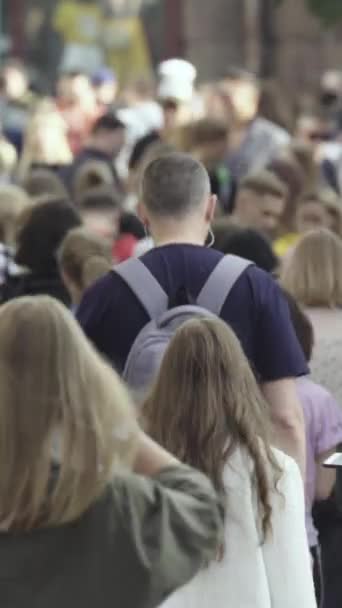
[175, 186]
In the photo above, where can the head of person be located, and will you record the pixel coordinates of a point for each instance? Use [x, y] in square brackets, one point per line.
[92, 174]
[217, 103]
[100, 210]
[15, 80]
[108, 135]
[302, 325]
[312, 274]
[74, 87]
[251, 245]
[260, 203]
[13, 202]
[206, 403]
[62, 425]
[43, 182]
[130, 224]
[105, 85]
[41, 233]
[243, 91]
[154, 150]
[311, 213]
[45, 142]
[176, 91]
[176, 201]
[138, 155]
[331, 90]
[207, 140]
[83, 258]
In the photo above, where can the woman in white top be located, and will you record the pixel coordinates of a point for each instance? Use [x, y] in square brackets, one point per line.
[313, 276]
[206, 409]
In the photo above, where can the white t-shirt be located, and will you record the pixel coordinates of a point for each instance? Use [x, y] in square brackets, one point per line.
[276, 574]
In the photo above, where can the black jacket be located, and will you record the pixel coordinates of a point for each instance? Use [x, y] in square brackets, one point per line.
[31, 284]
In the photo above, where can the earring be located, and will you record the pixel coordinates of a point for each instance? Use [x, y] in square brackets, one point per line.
[147, 234]
[210, 238]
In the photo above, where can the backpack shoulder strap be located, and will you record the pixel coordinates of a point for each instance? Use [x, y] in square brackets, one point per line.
[144, 286]
[220, 283]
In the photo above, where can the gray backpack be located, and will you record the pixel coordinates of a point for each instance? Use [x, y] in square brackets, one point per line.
[148, 348]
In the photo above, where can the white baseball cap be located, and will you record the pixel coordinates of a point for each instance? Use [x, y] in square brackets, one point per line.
[177, 79]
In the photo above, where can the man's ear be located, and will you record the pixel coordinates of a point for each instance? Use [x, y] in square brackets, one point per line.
[142, 215]
[211, 207]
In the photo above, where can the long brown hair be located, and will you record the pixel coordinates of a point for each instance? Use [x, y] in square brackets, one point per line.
[206, 403]
[59, 403]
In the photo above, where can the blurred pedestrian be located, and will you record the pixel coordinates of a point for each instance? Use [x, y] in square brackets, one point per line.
[103, 145]
[323, 423]
[255, 141]
[260, 203]
[45, 144]
[312, 274]
[16, 101]
[40, 233]
[83, 258]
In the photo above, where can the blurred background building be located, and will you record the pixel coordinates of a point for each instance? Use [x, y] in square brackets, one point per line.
[288, 39]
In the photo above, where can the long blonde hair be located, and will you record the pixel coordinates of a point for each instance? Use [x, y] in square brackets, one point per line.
[13, 202]
[45, 139]
[56, 397]
[312, 274]
[206, 403]
[85, 257]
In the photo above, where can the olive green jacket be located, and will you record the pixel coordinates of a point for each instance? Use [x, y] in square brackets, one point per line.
[134, 547]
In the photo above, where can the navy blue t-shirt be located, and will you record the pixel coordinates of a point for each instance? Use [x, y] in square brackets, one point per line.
[112, 316]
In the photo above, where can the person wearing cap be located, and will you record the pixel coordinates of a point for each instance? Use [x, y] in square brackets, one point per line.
[176, 91]
[105, 86]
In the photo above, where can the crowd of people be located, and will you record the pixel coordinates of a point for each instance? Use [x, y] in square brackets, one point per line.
[171, 295]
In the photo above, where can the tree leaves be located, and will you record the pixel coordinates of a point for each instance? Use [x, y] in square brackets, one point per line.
[329, 11]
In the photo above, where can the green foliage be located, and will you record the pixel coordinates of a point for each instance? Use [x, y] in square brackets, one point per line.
[329, 11]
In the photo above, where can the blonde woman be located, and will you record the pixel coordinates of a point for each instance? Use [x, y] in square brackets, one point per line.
[84, 257]
[207, 410]
[92, 512]
[8, 159]
[13, 202]
[45, 143]
[313, 276]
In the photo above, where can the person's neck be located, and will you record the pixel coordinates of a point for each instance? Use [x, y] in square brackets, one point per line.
[179, 237]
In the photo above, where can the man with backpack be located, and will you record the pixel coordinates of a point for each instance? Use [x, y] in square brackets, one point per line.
[132, 312]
